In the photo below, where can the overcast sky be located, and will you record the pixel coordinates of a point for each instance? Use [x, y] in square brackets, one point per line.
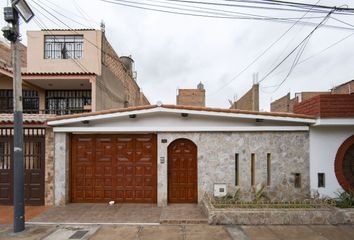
[176, 51]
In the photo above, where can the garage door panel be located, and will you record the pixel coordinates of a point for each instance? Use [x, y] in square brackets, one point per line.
[120, 168]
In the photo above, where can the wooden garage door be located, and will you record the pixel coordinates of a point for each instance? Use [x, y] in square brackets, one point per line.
[182, 172]
[113, 167]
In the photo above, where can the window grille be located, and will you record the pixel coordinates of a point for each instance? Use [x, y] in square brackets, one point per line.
[30, 101]
[63, 47]
[62, 102]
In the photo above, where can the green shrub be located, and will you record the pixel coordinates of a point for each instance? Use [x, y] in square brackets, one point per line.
[345, 199]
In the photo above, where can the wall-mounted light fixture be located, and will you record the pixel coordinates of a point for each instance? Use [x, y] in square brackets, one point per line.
[184, 114]
[132, 116]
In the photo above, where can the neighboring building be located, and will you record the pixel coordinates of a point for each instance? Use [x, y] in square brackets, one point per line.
[175, 154]
[331, 142]
[192, 97]
[5, 54]
[66, 72]
[249, 101]
[286, 104]
[345, 88]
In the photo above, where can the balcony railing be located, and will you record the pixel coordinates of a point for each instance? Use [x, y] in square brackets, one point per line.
[66, 111]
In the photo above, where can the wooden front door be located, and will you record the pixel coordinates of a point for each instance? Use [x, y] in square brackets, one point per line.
[114, 167]
[182, 172]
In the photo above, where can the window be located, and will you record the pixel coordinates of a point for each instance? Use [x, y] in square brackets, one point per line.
[297, 180]
[268, 169]
[62, 102]
[236, 170]
[63, 47]
[30, 101]
[253, 161]
[321, 180]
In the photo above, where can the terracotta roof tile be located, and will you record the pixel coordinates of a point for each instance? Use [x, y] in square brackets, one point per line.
[208, 109]
[27, 118]
[57, 73]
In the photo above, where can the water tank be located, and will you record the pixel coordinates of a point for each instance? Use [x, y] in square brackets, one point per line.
[128, 63]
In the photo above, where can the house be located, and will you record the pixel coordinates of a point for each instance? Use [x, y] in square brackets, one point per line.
[331, 142]
[175, 154]
[64, 72]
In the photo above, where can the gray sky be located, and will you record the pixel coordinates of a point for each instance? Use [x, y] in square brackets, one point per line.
[174, 51]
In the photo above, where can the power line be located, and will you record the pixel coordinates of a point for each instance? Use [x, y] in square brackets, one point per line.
[139, 5]
[308, 36]
[309, 5]
[259, 56]
[260, 2]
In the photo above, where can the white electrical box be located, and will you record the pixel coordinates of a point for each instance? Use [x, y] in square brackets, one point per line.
[220, 189]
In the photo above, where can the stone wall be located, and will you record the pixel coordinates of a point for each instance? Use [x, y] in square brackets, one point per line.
[216, 162]
[275, 216]
[61, 167]
[49, 168]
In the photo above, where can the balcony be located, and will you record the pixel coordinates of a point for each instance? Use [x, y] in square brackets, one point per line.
[55, 102]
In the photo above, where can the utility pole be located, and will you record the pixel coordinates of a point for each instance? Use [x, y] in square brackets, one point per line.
[11, 15]
[19, 200]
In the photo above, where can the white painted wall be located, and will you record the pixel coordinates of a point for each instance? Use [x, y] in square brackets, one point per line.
[324, 144]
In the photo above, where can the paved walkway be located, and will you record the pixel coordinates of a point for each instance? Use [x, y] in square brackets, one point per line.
[122, 213]
[181, 232]
[6, 213]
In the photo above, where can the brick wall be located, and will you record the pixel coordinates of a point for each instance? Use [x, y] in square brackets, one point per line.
[5, 54]
[327, 106]
[347, 88]
[308, 95]
[286, 104]
[191, 97]
[110, 59]
[249, 101]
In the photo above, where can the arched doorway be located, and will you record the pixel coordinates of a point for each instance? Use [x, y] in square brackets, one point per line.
[344, 164]
[182, 172]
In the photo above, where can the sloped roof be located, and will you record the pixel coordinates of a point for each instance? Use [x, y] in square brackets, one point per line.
[179, 108]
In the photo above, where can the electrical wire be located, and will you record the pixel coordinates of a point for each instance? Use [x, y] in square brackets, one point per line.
[308, 36]
[138, 5]
[259, 56]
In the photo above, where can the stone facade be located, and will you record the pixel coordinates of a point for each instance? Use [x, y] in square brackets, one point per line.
[49, 167]
[216, 162]
[249, 101]
[61, 167]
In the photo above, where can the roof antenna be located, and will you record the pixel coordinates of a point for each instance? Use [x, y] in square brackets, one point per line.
[103, 26]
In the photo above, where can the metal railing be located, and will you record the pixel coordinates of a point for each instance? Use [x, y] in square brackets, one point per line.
[49, 111]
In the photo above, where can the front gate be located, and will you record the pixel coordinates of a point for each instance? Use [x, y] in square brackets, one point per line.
[34, 164]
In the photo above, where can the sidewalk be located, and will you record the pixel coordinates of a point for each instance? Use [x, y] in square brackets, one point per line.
[180, 232]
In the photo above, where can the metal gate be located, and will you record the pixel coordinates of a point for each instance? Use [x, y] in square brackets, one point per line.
[34, 164]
